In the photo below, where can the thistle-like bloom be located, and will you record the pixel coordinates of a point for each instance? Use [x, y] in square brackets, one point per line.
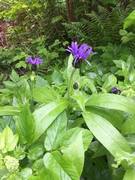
[79, 52]
[34, 60]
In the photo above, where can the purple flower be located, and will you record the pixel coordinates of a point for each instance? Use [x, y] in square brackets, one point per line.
[79, 52]
[34, 60]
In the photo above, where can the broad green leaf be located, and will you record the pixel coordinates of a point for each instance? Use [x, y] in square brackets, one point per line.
[26, 173]
[112, 101]
[9, 110]
[98, 149]
[21, 64]
[87, 82]
[40, 82]
[38, 165]
[8, 140]
[130, 174]
[57, 128]
[53, 168]
[80, 98]
[14, 76]
[44, 94]
[35, 152]
[57, 77]
[120, 64]
[71, 135]
[67, 162]
[110, 82]
[116, 119]
[3, 172]
[77, 123]
[48, 175]
[41, 171]
[106, 134]
[25, 124]
[129, 125]
[75, 153]
[45, 115]
[131, 140]
[130, 20]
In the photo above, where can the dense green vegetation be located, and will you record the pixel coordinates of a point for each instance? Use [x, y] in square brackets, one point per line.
[67, 89]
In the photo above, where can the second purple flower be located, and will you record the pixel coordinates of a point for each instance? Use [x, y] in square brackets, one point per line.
[34, 60]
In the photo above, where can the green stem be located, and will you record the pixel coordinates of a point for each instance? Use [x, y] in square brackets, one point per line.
[70, 84]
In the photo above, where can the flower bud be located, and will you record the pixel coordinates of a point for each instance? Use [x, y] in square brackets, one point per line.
[11, 163]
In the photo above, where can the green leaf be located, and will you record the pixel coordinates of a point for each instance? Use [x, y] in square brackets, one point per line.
[98, 149]
[25, 124]
[57, 128]
[8, 140]
[80, 98]
[48, 175]
[20, 56]
[25, 173]
[53, 168]
[130, 174]
[112, 101]
[116, 119]
[57, 77]
[35, 152]
[72, 157]
[128, 126]
[45, 94]
[40, 82]
[110, 82]
[67, 162]
[14, 76]
[87, 82]
[45, 115]
[21, 64]
[130, 20]
[70, 136]
[9, 110]
[106, 134]
[70, 162]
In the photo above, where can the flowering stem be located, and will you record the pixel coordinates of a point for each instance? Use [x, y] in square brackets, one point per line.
[70, 84]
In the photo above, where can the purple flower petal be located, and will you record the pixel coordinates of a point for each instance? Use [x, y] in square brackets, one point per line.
[34, 60]
[81, 52]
